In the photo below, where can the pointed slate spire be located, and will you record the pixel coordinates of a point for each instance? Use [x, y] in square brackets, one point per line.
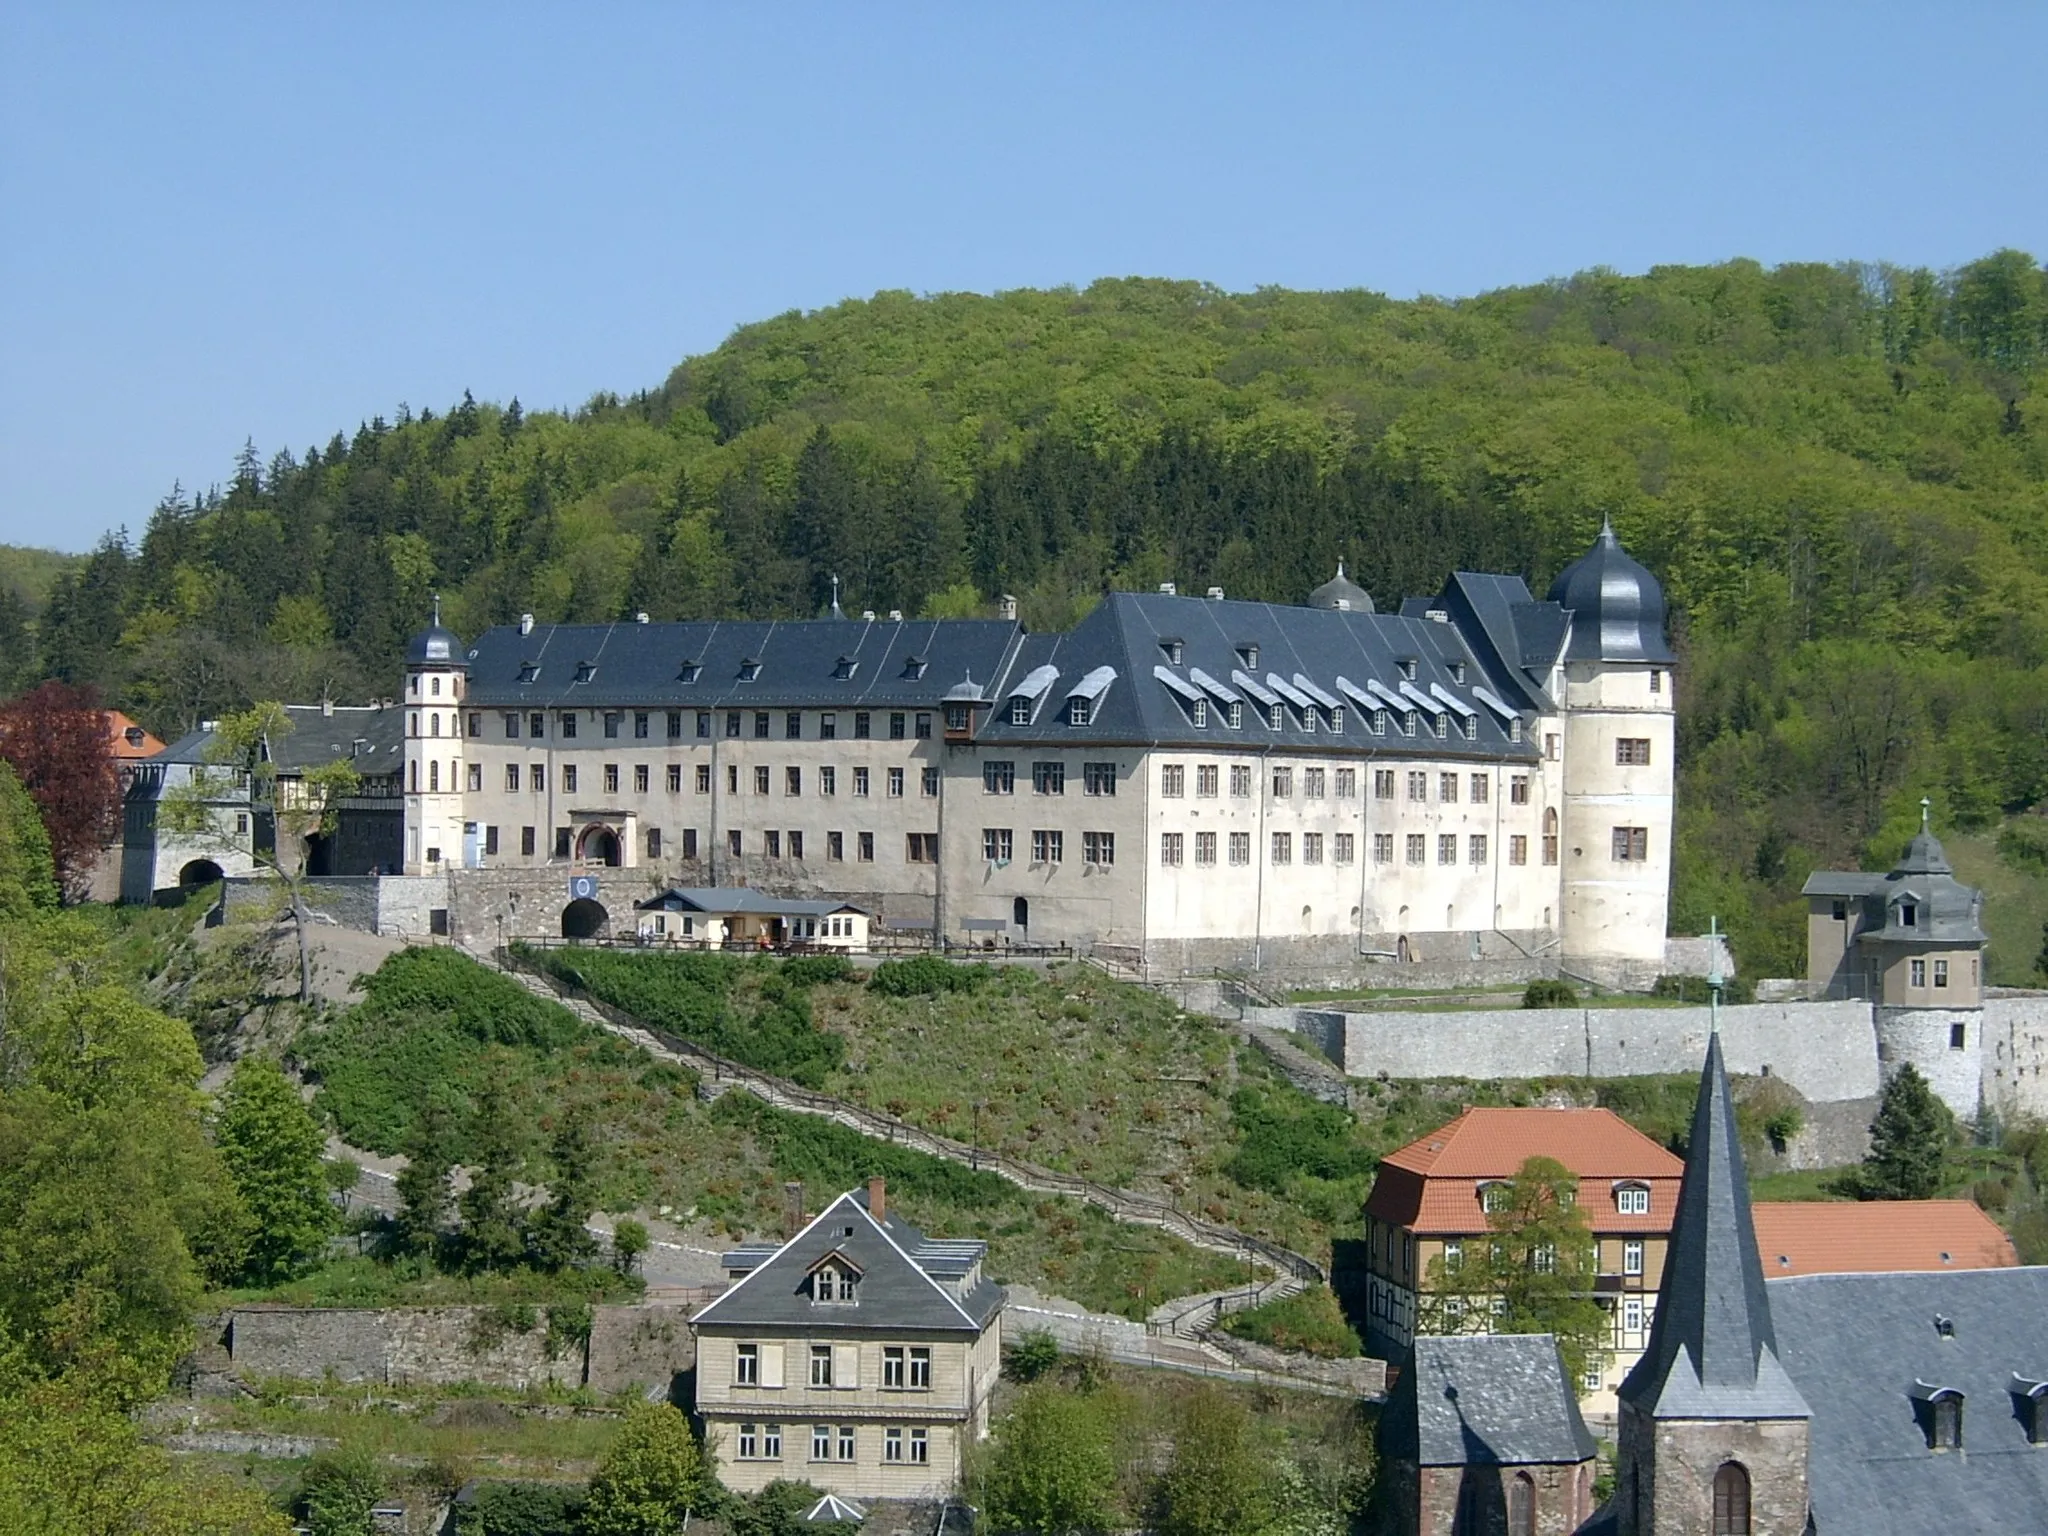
[1713, 1353]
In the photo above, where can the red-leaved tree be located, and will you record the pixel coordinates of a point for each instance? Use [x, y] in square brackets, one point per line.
[56, 738]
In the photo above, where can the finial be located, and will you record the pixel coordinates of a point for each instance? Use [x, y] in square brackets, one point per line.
[1714, 978]
[437, 610]
[835, 598]
[1340, 567]
[1926, 805]
[1607, 528]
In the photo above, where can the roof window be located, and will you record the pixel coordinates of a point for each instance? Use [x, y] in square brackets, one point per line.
[750, 669]
[1940, 1412]
[1909, 915]
[913, 668]
[1248, 653]
[844, 669]
[687, 672]
[529, 671]
[1172, 648]
[585, 671]
[1457, 671]
[1408, 668]
[2033, 1407]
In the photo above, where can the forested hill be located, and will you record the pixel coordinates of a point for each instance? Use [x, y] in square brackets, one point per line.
[1840, 472]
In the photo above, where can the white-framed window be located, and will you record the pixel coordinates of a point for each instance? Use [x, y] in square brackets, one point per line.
[746, 1365]
[893, 1366]
[1632, 1200]
[1632, 1314]
[1493, 1197]
[1347, 783]
[920, 1447]
[920, 1369]
[1632, 1256]
[1311, 847]
[821, 1365]
[1240, 780]
[1240, 847]
[1344, 851]
[892, 1444]
[821, 1442]
[1283, 848]
[1098, 848]
[1173, 781]
[1383, 847]
[771, 1442]
[846, 1442]
[1172, 845]
[1048, 847]
[1205, 847]
[1454, 1256]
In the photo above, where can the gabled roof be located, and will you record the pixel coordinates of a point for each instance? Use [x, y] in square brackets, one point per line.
[900, 1287]
[1857, 1344]
[1804, 1237]
[1946, 910]
[1484, 1400]
[721, 901]
[130, 741]
[1432, 1185]
[1712, 1353]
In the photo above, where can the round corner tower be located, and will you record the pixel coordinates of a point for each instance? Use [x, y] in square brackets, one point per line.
[436, 667]
[1617, 769]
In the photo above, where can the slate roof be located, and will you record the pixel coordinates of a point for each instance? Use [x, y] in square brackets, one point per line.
[1804, 1237]
[371, 737]
[796, 663]
[1484, 1400]
[1617, 606]
[1712, 1352]
[1432, 1184]
[724, 899]
[1946, 910]
[904, 1278]
[1856, 1344]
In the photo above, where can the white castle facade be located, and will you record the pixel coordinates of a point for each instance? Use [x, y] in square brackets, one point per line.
[1189, 782]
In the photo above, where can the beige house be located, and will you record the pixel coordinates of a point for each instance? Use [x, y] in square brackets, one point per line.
[698, 918]
[860, 1356]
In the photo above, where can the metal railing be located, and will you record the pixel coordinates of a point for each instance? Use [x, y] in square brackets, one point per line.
[1124, 1205]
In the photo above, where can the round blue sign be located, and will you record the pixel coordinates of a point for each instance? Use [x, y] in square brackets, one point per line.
[582, 887]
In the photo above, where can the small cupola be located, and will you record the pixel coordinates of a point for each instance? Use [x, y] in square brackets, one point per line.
[435, 646]
[1617, 606]
[1340, 592]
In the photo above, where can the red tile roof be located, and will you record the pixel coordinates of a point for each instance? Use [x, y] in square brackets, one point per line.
[1432, 1185]
[129, 747]
[1839, 1237]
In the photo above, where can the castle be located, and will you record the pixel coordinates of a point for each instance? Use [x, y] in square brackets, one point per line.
[1183, 782]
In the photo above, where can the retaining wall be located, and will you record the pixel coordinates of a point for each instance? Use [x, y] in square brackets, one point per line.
[438, 1346]
[2016, 1056]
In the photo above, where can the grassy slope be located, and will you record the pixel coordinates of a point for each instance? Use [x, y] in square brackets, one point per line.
[2015, 907]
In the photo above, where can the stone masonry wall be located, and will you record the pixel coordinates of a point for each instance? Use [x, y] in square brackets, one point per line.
[439, 1346]
[2016, 1056]
[1827, 1051]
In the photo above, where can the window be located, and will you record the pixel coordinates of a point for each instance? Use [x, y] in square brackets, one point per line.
[1909, 915]
[1656, 681]
[1958, 1037]
[1631, 844]
[732, 723]
[1313, 781]
[732, 843]
[675, 725]
[892, 1366]
[1347, 783]
[611, 724]
[689, 842]
[772, 844]
[1418, 786]
[1447, 788]
[1048, 847]
[1632, 751]
[1020, 710]
[1454, 1256]
[1206, 780]
[1049, 778]
[761, 725]
[899, 724]
[828, 726]
[1173, 781]
[828, 781]
[920, 1370]
[921, 847]
[1632, 1314]
[1344, 851]
[1493, 1197]
[512, 778]
[1098, 778]
[846, 1442]
[1518, 789]
[654, 842]
[675, 778]
[1283, 848]
[704, 724]
[568, 726]
[821, 1354]
[920, 1447]
[1205, 847]
[703, 779]
[568, 778]
[862, 725]
[792, 781]
[928, 783]
[1480, 790]
[1632, 1252]
[1632, 1200]
[536, 724]
[821, 1442]
[1518, 850]
[1418, 848]
[793, 725]
[1475, 848]
[860, 783]
[959, 717]
[761, 780]
[1240, 780]
[895, 783]
[1079, 711]
[1383, 847]
[562, 835]
[1919, 972]
[835, 846]
[892, 1442]
[1447, 848]
[1947, 1414]
[491, 841]
[1522, 1502]
[1098, 848]
[1443, 726]
[746, 1365]
[611, 778]
[526, 841]
[1172, 845]
[1941, 973]
[1550, 835]
[1283, 783]
[995, 845]
[998, 778]
[796, 844]
[1383, 783]
[1731, 1499]
[1311, 847]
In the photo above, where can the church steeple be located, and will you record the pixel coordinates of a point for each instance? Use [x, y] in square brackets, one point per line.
[1708, 1415]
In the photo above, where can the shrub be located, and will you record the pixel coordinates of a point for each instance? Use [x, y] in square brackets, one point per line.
[520, 1509]
[477, 1002]
[1309, 1322]
[926, 976]
[1284, 1132]
[338, 1491]
[777, 1510]
[1550, 992]
[1035, 1352]
[1694, 989]
[2023, 843]
[813, 971]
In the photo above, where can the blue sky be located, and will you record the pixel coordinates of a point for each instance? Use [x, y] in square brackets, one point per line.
[272, 222]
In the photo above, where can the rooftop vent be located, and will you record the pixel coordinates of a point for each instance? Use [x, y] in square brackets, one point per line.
[1215, 594]
[526, 623]
[1166, 589]
[640, 617]
[1006, 605]
[895, 615]
[868, 614]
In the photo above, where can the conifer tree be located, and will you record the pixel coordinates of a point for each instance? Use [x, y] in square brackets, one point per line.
[425, 1186]
[1909, 1140]
[493, 1224]
[560, 1238]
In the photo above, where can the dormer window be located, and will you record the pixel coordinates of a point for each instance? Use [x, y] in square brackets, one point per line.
[687, 672]
[529, 671]
[845, 668]
[1248, 653]
[1172, 648]
[1080, 711]
[1276, 717]
[913, 668]
[1457, 671]
[585, 671]
[958, 717]
[1471, 727]
[1632, 1199]
[1940, 1412]
[1337, 720]
[1409, 722]
[1909, 915]
[1408, 668]
[1198, 712]
[1443, 726]
[1379, 722]
[1515, 729]
[1020, 710]
[750, 669]
[831, 1282]
[1493, 1196]
[1235, 712]
[2033, 1407]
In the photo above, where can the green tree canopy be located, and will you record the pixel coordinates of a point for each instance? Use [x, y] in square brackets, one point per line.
[649, 1479]
[1909, 1140]
[1052, 1469]
[273, 1152]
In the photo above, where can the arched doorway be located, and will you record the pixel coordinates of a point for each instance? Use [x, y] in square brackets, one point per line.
[600, 845]
[584, 919]
[1020, 915]
[199, 872]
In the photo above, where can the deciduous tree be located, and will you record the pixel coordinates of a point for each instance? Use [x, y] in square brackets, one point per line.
[1052, 1469]
[650, 1479]
[272, 1148]
[56, 738]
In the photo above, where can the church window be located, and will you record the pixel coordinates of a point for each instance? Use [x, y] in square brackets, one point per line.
[1731, 1500]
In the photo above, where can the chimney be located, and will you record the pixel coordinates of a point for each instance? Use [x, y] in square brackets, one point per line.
[1215, 594]
[640, 618]
[1166, 589]
[327, 707]
[895, 615]
[792, 1208]
[868, 614]
[526, 623]
[878, 1199]
[1006, 605]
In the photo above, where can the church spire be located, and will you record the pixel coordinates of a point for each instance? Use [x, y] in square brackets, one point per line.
[1713, 1353]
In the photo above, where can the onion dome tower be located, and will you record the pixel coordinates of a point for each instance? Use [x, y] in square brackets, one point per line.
[436, 670]
[1341, 592]
[1615, 691]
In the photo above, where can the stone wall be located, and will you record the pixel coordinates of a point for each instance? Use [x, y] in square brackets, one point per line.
[642, 1345]
[1827, 1051]
[2016, 1055]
